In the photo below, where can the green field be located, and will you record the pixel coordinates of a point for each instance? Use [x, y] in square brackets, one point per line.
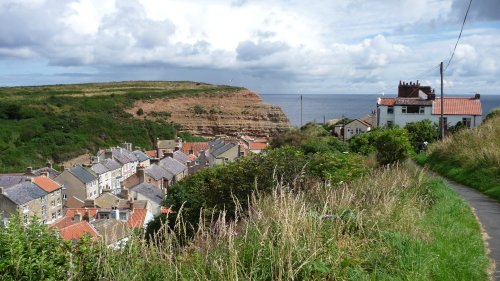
[60, 122]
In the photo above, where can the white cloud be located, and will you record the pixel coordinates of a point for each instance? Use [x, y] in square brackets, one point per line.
[348, 44]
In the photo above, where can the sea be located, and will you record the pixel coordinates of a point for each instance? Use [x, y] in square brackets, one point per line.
[317, 108]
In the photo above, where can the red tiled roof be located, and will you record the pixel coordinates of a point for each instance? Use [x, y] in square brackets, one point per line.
[62, 223]
[137, 218]
[458, 106]
[78, 230]
[165, 210]
[195, 146]
[386, 101]
[92, 212]
[151, 153]
[364, 122]
[257, 145]
[46, 183]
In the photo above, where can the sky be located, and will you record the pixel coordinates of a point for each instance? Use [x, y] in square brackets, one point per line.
[271, 47]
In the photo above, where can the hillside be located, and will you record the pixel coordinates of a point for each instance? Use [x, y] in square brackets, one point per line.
[213, 114]
[60, 122]
[471, 157]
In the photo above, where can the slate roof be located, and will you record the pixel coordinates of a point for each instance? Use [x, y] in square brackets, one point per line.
[84, 175]
[151, 192]
[141, 156]
[181, 157]
[172, 165]
[123, 156]
[458, 106]
[99, 168]
[110, 164]
[223, 149]
[11, 180]
[46, 184]
[24, 192]
[52, 173]
[158, 172]
[360, 121]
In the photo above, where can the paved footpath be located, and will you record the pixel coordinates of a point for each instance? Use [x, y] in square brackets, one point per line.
[488, 211]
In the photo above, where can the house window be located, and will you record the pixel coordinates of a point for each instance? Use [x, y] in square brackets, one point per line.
[412, 109]
[467, 121]
[390, 110]
[25, 218]
[58, 201]
[64, 196]
[25, 208]
[53, 203]
[54, 216]
[58, 213]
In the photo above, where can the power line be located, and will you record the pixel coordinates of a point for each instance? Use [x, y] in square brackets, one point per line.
[459, 35]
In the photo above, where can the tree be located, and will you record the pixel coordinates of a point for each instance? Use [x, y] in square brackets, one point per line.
[422, 131]
[392, 145]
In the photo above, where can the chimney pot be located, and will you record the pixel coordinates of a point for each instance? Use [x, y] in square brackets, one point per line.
[29, 170]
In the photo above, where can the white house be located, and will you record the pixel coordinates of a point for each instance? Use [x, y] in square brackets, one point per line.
[356, 127]
[415, 103]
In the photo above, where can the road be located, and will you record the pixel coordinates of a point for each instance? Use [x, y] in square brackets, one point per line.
[488, 212]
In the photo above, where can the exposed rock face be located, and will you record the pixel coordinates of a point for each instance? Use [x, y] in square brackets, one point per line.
[214, 114]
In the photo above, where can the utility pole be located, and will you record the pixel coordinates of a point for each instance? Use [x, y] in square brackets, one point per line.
[301, 111]
[442, 102]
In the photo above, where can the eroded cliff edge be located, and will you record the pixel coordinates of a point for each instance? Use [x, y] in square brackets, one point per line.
[210, 114]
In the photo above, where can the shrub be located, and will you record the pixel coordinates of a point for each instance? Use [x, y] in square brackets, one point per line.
[198, 109]
[140, 111]
[392, 146]
[422, 131]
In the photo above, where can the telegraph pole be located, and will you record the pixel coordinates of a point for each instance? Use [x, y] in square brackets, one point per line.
[300, 110]
[442, 102]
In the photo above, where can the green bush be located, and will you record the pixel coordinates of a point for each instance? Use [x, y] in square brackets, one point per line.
[422, 131]
[393, 145]
[140, 111]
[198, 109]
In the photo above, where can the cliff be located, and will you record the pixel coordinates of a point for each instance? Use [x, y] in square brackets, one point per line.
[210, 114]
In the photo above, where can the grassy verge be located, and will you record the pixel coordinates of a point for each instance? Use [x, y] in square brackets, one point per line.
[471, 157]
[393, 225]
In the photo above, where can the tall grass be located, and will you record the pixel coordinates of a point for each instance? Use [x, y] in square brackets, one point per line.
[394, 224]
[471, 157]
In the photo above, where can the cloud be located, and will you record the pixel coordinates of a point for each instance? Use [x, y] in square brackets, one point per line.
[487, 10]
[249, 51]
[349, 45]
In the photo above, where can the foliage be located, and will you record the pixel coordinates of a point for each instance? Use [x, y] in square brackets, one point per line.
[392, 146]
[422, 131]
[297, 137]
[63, 121]
[470, 156]
[140, 111]
[493, 113]
[337, 168]
[198, 109]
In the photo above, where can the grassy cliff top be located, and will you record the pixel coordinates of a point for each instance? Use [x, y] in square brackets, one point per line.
[59, 122]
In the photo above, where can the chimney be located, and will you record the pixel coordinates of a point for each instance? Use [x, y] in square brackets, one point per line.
[141, 173]
[94, 159]
[89, 203]
[477, 96]
[48, 164]
[124, 193]
[63, 168]
[29, 170]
